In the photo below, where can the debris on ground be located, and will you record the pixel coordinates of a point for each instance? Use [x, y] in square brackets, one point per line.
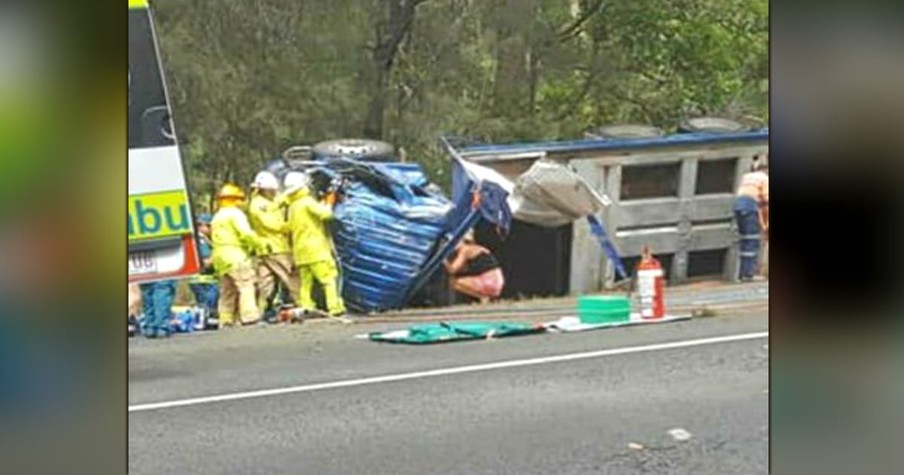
[574, 324]
[680, 434]
[703, 312]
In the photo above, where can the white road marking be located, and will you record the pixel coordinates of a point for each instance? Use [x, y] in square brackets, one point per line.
[442, 372]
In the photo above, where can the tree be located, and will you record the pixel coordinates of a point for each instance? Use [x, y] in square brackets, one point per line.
[249, 79]
[394, 20]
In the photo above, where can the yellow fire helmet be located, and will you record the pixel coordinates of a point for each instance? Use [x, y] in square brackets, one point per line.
[230, 190]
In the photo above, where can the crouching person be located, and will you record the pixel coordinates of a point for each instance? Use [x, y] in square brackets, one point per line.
[234, 244]
[311, 247]
[474, 271]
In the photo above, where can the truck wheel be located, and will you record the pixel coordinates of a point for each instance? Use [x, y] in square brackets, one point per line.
[361, 149]
[713, 125]
[625, 131]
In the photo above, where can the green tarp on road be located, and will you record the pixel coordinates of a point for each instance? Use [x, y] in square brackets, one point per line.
[443, 332]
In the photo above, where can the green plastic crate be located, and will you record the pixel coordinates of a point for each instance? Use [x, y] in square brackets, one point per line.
[604, 309]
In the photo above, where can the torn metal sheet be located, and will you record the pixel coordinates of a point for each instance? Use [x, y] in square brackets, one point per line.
[548, 194]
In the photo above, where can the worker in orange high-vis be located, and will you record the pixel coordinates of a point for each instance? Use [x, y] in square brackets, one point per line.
[234, 245]
[311, 246]
[751, 210]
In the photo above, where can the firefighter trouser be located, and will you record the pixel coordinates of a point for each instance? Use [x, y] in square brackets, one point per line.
[237, 295]
[326, 273]
[747, 217]
[272, 270]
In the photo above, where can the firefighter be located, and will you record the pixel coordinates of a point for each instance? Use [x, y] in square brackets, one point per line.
[311, 247]
[204, 286]
[751, 210]
[234, 244]
[267, 215]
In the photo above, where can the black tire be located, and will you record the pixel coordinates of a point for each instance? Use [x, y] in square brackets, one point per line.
[712, 125]
[625, 131]
[361, 149]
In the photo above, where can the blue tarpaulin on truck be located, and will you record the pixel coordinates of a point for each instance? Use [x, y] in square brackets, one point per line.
[386, 228]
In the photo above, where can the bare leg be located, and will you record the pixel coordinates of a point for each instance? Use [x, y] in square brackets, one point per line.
[465, 286]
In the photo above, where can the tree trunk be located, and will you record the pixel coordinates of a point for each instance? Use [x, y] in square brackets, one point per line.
[392, 28]
[533, 73]
[509, 77]
[373, 127]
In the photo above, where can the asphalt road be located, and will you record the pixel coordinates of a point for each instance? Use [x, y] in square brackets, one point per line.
[567, 417]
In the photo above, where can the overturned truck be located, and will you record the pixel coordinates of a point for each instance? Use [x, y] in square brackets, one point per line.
[393, 228]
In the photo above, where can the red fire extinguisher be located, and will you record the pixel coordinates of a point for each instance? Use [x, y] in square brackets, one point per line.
[650, 281]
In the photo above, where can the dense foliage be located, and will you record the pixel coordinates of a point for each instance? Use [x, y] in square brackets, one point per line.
[249, 78]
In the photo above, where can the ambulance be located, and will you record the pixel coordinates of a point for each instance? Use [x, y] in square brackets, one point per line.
[162, 243]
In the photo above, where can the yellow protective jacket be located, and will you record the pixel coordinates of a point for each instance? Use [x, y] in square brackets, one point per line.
[233, 240]
[307, 224]
[268, 220]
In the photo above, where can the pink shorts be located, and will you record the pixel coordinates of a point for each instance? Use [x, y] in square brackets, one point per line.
[488, 284]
